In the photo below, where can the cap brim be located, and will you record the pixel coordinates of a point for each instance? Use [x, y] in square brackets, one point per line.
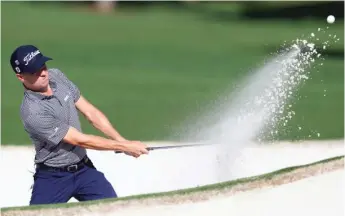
[39, 64]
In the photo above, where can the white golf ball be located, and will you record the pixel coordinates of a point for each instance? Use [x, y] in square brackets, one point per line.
[330, 19]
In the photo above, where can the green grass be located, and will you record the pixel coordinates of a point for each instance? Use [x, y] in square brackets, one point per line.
[150, 70]
[212, 187]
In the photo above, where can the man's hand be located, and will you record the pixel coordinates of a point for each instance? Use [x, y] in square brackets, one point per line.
[135, 148]
[135, 145]
[138, 146]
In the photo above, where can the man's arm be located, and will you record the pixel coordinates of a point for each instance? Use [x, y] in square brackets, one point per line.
[74, 137]
[92, 114]
[88, 141]
[97, 119]
[52, 130]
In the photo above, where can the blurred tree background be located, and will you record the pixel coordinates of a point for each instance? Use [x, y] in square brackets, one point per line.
[231, 9]
[151, 66]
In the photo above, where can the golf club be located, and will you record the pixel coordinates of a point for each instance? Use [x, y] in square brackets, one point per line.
[169, 147]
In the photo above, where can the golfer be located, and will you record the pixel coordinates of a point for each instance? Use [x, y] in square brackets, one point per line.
[49, 113]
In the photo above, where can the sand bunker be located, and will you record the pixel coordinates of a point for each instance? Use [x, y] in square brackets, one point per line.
[167, 170]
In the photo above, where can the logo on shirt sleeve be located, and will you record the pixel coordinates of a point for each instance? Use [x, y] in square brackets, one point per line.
[66, 98]
[55, 131]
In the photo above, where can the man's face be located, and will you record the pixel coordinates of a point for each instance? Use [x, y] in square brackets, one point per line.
[37, 81]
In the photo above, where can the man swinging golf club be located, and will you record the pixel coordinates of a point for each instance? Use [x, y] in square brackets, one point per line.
[49, 113]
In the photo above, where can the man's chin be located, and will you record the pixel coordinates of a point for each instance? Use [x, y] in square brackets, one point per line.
[42, 89]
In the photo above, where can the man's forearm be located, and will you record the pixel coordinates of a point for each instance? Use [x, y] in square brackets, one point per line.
[100, 143]
[75, 137]
[101, 122]
[98, 119]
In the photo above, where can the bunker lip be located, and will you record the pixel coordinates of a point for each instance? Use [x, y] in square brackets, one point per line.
[279, 177]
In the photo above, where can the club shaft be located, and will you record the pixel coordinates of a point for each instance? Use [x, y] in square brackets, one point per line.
[169, 147]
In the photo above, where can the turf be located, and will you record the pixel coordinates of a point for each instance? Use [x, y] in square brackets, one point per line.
[149, 70]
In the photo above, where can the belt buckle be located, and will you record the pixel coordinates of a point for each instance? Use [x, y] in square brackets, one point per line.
[72, 168]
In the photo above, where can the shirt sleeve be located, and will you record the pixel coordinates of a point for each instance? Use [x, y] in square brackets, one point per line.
[71, 85]
[46, 128]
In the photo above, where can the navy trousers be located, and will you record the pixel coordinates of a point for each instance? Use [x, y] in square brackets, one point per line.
[60, 186]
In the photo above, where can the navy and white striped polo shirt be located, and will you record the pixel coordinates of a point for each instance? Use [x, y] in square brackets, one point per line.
[47, 118]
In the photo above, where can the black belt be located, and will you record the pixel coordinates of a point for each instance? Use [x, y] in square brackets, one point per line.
[70, 168]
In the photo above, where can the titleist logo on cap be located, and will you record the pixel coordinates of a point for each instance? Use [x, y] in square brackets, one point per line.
[30, 56]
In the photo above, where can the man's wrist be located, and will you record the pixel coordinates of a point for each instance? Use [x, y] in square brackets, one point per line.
[119, 146]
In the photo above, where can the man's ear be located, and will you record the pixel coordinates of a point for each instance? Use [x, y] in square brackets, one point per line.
[20, 77]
